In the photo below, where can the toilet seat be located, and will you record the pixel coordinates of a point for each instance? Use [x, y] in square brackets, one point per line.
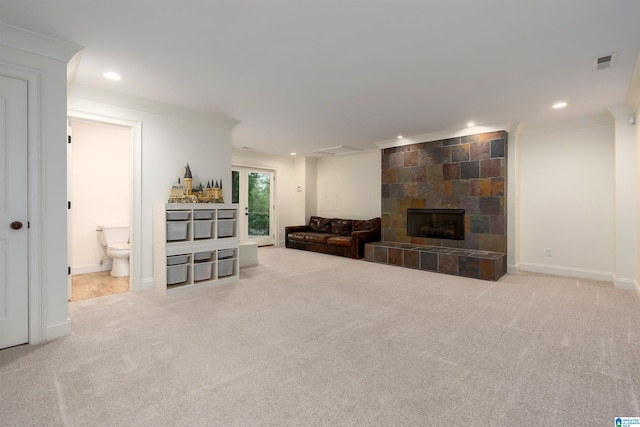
[119, 247]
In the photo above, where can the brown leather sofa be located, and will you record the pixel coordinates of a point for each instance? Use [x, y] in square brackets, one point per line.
[335, 236]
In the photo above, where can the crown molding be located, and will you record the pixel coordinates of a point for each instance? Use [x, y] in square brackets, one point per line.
[38, 44]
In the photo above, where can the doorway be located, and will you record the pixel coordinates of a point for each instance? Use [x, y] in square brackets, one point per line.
[253, 190]
[99, 188]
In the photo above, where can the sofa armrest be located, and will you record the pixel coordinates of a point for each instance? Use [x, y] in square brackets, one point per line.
[362, 237]
[293, 229]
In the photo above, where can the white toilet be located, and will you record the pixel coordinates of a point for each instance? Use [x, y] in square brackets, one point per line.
[115, 237]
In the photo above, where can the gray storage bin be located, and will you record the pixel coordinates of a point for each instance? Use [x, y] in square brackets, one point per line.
[177, 215]
[202, 271]
[225, 227]
[202, 214]
[226, 253]
[226, 267]
[202, 256]
[202, 229]
[177, 259]
[226, 214]
[177, 230]
[177, 274]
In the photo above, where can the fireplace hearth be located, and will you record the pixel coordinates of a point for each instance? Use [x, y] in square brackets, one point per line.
[436, 223]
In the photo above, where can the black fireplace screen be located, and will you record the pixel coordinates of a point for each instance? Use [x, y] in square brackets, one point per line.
[436, 223]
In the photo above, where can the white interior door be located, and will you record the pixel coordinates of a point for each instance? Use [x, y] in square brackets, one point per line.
[253, 191]
[14, 278]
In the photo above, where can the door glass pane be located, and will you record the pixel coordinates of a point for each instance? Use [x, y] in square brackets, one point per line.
[235, 187]
[259, 202]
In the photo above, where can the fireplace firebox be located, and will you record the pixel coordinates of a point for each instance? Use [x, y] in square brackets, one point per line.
[436, 223]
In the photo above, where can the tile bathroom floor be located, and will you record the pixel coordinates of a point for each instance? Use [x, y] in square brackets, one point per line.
[91, 285]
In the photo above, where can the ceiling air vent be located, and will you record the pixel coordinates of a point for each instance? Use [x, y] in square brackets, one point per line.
[337, 150]
[603, 62]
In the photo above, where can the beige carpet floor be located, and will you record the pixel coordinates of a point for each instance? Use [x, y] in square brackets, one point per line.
[310, 339]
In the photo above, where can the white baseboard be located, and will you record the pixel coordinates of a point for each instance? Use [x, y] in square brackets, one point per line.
[513, 268]
[146, 285]
[58, 330]
[579, 273]
[90, 268]
[626, 284]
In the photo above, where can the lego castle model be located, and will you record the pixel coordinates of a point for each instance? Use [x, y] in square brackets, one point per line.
[183, 192]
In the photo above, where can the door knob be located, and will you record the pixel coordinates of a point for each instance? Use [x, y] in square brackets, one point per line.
[16, 225]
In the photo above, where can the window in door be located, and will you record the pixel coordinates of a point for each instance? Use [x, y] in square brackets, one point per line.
[253, 191]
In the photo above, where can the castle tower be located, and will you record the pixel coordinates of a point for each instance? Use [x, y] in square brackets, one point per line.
[188, 180]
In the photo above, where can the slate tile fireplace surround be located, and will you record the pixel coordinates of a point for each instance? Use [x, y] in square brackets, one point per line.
[465, 173]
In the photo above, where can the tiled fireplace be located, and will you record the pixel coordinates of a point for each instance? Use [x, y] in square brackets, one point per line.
[465, 175]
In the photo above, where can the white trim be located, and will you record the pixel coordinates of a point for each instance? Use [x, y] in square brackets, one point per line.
[130, 102]
[626, 284]
[135, 196]
[91, 268]
[580, 273]
[146, 285]
[58, 330]
[637, 289]
[39, 44]
[513, 268]
[436, 136]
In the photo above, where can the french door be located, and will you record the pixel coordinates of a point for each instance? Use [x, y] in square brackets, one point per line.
[253, 190]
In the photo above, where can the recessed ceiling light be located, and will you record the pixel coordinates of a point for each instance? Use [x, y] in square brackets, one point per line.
[293, 154]
[400, 136]
[471, 124]
[112, 75]
[559, 105]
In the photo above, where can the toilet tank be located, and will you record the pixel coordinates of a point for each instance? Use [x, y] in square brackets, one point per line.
[110, 234]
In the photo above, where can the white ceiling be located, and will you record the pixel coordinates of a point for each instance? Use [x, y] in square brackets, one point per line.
[302, 75]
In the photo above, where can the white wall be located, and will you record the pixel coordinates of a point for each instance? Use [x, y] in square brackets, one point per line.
[349, 186]
[288, 177]
[100, 181]
[567, 201]
[170, 138]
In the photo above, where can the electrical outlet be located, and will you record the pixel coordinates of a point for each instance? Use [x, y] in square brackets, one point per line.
[548, 252]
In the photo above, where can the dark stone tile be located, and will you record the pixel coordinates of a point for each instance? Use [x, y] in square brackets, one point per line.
[480, 187]
[451, 141]
[493, 243]
[490, 168]
[384, 164]
[386, 220]
[488, 269]
[389, 234]
[434, 173]
[448, 264]
[442, 155]
[447, 188]
[417, 147]
[501, 266]
[450, 202]
[388, 151]
[459, 188]
[396, 191]
[460, 153]
[500, 134]
[497, 148]
[418, 174]
[389, 206]
[424, 159]
[396, 256]
[428, 261]
[403, 149]
[469, 267]
[389, 176]
[368, 252]
[490, 206]
[471, 240]
[455, 244]
[470, 138]
[380, 254]
[480, 151]
[411, 258]
[411, 158]
[497, 186]
[396, 160]
[410, 189]
[469, 170]
[498, 224]
[479, 224]
[403, 174]
[418, 241]
[471, 205]
[385, 191]
[451, 171]
[433, 201]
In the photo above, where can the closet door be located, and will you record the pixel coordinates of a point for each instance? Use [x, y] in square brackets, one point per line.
[14, 279]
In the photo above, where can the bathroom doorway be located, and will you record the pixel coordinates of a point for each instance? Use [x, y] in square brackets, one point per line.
[100, 187]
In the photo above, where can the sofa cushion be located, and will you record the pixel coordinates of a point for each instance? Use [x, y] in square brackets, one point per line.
[318, 223]
[339, 241]
[299, 236]
[314, 237]
[366, 224]
[341, 226]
